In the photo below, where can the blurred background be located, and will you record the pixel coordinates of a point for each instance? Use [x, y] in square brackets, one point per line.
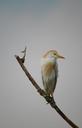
[40, 25]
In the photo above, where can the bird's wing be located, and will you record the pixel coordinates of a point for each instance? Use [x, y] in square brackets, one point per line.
[55, 81]
[42, 78]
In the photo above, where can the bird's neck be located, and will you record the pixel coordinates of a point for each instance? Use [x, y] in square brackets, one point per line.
[45, 61]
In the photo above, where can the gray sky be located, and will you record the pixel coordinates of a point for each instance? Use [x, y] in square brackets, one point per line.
[41, 25]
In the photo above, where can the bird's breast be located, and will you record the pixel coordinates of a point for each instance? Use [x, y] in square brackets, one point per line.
[48, 68]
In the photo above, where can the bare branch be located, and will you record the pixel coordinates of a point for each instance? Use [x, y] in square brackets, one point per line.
[49, 99]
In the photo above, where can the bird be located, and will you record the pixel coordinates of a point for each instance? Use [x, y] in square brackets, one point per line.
[49, 71]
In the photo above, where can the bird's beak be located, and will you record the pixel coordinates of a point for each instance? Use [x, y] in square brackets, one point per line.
[61, 57]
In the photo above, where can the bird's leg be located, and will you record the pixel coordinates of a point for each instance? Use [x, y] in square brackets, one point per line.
[45, 95]
[50, 99]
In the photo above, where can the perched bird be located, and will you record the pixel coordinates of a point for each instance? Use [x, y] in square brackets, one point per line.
[49, 70]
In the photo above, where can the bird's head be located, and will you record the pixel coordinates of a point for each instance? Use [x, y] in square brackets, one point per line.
[53, 54]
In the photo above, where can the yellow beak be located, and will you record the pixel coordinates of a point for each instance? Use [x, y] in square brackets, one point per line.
[61, 57]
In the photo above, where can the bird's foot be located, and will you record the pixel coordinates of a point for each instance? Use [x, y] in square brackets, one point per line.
[50, 100]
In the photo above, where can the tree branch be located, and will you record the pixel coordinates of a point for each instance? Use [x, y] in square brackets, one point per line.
[49, 99]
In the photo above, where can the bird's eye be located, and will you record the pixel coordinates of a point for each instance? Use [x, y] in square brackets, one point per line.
[54, 53]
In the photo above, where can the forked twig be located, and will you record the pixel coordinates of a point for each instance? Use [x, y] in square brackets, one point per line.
[49, 99]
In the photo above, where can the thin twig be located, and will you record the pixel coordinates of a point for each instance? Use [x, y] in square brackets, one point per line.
[49, 99]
